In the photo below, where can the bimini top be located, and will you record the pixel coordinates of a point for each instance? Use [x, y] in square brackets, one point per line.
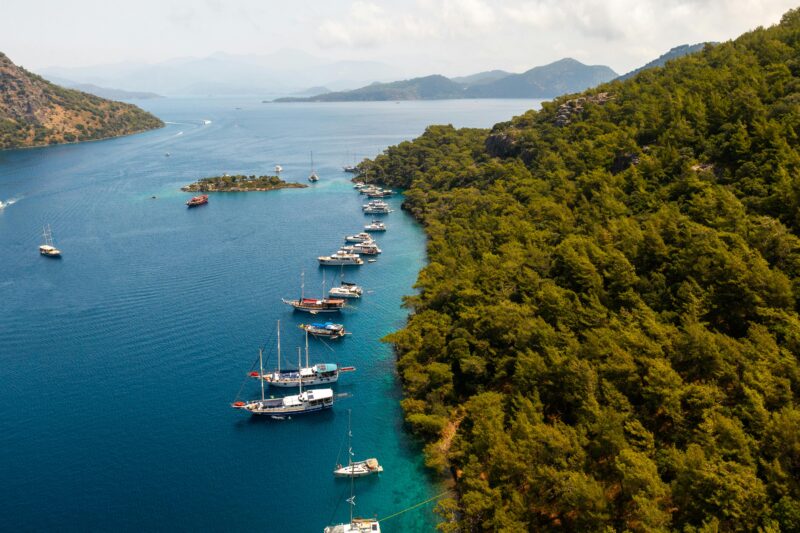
[317, 394]
[325, 325]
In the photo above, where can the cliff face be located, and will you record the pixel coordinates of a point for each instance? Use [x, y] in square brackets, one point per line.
[35, 112]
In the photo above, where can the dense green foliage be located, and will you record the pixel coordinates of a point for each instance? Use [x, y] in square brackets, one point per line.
[607, 332]
[241, 183]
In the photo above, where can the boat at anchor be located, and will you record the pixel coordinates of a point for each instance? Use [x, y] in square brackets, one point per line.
[308, 375]
[340, 258]
[296, 404]
[324, 329]
[375, 225]
[363, 468]
[314, 305]
[346, 290]
[365, 248]
[358, 237]
[197, 200]
[48, 249]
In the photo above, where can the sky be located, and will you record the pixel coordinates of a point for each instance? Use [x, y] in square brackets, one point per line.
[419, 37]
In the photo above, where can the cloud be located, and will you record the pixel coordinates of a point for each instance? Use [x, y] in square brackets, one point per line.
[368, 24]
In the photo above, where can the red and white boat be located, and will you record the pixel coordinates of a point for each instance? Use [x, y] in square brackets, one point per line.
[197, 200]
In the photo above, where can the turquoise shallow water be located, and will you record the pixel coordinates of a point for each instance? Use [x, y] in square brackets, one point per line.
[119, 362]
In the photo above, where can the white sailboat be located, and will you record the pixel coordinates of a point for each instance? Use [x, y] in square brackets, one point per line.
[296, 404]
[48, 249]
[313, 176]
[355, 525]
[356, 468]
[309, 375]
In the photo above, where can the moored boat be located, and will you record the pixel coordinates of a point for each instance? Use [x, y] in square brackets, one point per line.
[325, 329]
[340, 258]
[355, 525]
[356, 468]
[313, 176]
[346, 290]
[314, 305]
[197, 200]
[358, 237]
[362, 248]
[48, 249]
[375, 225]
[295, 404]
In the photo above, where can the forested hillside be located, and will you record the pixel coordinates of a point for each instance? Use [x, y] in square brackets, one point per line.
[35, 112]
[607, 333]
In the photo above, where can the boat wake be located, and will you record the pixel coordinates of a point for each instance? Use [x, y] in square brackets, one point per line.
[10, 201]
[179, 133]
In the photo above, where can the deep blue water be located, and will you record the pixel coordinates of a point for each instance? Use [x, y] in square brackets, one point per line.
[118, 363]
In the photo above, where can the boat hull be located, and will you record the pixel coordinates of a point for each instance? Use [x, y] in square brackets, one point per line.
[306, 382]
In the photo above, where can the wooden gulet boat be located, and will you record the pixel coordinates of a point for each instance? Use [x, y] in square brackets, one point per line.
[309, 375]
[314, 305]
[296, 404]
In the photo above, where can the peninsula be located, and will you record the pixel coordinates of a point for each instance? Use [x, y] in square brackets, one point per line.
[241, 183]
[605, 337]
[35, 112]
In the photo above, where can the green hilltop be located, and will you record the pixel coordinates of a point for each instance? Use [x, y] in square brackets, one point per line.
[606, 336]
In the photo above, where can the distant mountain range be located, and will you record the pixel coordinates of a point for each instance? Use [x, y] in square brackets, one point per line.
[561, 77]
[104, 92]
[660, 61]
[35, 112]
[280, 73]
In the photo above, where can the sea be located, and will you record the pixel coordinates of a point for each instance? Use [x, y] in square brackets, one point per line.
[119, 362]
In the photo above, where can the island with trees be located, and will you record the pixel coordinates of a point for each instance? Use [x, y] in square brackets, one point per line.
[606, 335]
[241, 183]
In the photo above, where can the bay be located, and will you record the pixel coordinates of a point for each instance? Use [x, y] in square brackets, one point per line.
[119, 362]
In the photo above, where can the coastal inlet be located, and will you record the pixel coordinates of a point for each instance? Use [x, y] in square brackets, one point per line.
[241, 183]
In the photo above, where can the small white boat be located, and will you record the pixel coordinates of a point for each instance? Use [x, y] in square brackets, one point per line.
[313, 178]
[363, 468]
[356, 525]
[375, 225]
[372, 260]
[278, 169]
[365, 248]
[340, 258]
[376, 210]
[356, 468]
[359, 185]
[359, 237]
[48, 249]
[346, 290]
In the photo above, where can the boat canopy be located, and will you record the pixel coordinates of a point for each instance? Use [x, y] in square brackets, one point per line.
[318, 394]
[326, 367]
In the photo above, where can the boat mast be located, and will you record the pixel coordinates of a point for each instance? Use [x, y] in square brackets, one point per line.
[306, 348]
[299, 375]
[279, 348]
[352, 499]
[261, 368]
[302, 285]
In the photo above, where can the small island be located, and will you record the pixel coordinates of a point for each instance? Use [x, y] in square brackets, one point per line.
[240, 183]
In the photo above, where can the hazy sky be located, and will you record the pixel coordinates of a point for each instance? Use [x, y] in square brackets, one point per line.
[419, 36]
